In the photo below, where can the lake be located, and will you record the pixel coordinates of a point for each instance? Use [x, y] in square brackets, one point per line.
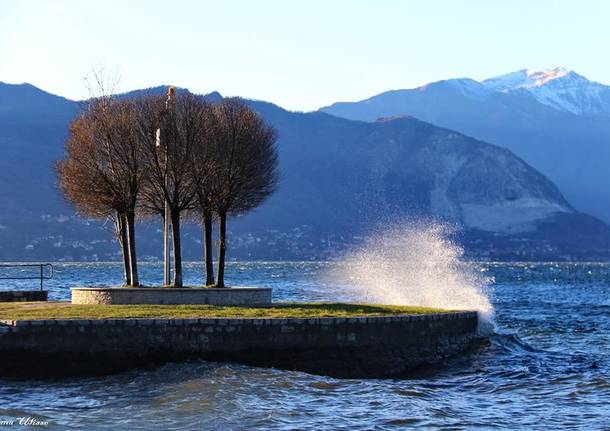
[546, 366]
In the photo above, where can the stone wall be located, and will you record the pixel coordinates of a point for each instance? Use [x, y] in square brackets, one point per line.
[174, 296]
[23, 295]
[341, 347]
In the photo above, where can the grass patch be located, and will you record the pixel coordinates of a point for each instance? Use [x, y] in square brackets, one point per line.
[65, 310]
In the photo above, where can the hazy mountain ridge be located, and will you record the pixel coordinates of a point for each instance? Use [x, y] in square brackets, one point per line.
[516, 111]
[339, 179]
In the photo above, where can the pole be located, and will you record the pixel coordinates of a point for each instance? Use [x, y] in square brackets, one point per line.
[166, 243]
[166, 215]
[166, 220]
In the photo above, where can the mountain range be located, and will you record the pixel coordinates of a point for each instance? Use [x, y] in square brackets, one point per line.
[556, 120]
[341, 179]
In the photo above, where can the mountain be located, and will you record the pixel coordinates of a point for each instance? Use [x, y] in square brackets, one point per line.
[340, 179]
[32, 130]
[556, 120]
[560, 88]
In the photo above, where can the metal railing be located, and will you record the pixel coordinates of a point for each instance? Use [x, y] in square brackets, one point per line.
[45, 271]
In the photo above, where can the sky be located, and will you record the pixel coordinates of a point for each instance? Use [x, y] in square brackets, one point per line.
[300, 55]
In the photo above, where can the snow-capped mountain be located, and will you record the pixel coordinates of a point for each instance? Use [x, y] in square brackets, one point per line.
[559, 88]
[556, 120]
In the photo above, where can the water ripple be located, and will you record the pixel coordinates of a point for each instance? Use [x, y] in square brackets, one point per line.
[546, 367]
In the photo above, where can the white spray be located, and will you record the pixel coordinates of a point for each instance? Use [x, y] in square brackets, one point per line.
[416, 264]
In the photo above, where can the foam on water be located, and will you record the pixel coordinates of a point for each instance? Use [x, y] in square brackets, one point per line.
[415, 264]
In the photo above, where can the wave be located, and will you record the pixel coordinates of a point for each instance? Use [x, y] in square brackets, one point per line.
[416, 263]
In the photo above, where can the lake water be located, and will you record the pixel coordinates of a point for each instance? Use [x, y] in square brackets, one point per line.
[546, 367]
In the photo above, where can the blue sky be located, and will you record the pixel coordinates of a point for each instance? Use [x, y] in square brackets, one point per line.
[298, 54]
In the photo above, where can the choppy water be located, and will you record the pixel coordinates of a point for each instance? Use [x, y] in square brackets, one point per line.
[546, 368]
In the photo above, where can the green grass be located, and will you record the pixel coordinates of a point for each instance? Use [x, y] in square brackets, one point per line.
[64, 310]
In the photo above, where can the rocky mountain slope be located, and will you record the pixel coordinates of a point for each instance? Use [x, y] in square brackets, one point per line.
[556, 120]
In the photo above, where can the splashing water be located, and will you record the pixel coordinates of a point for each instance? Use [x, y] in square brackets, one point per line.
[416, 264]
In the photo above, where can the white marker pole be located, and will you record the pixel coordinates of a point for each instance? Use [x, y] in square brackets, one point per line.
[166, 223]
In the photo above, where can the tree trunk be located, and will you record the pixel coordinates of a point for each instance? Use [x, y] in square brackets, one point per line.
[121, 231]
[207, 241]
[222, 249]
[133, 259]
[177, 249]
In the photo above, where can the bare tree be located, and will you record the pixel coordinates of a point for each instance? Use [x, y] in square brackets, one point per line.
[177, 118]
[203, 170]
[102, 172]
[246, 170]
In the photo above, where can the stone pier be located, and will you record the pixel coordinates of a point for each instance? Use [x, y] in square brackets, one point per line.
[23, 295]
[358, 347]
